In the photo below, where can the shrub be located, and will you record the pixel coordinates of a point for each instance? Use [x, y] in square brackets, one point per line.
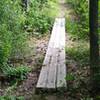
[37, 18]
[81, 20]
[11, 98]
[16, 73]
[12, 35]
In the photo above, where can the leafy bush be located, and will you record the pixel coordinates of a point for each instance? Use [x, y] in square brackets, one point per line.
[5, 44]
[17, 73]
[12, 35]
[11, 98]
[38, 18]
[80, 23]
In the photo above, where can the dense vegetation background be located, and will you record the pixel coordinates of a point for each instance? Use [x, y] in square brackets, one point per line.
[80, 22]
[17, 24]
[19, 21]
[77, 25]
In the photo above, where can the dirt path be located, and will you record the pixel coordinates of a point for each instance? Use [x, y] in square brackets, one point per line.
[62, 8]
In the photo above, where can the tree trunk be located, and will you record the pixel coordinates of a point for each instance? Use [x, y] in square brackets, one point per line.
[94, 47]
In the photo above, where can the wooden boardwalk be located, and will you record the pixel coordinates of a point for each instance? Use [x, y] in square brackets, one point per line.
[53, 72]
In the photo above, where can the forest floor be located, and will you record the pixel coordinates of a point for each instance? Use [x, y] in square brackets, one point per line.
[39, 46]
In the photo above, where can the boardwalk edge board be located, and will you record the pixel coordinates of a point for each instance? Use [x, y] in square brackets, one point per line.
[53, 72]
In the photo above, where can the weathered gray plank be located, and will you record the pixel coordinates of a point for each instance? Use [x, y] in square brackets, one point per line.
[52, 74]
[42, 82]
[51, 83]
[44, 71]
[53, 71]
[61, 73]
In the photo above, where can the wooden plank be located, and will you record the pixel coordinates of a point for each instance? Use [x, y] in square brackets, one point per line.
[53, 35]
[61, 73]
[42, 82]
[51, 83]
[57, 68]
[53, 71]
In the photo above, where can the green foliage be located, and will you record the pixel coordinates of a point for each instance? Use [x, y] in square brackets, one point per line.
[5, 44]
[17, 73]
[11, 98]
[12, 35]
[79, 26]
[38, 18]
[13, 20]
[80, 53]
[70, 77]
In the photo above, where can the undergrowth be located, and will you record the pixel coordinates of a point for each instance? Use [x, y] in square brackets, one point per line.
[79, 52]
[16, 25]
[16, 73]
[78, 24]
[40, 17]
[11, 98]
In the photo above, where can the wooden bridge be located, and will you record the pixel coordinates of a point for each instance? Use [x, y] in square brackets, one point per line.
[53, 72]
